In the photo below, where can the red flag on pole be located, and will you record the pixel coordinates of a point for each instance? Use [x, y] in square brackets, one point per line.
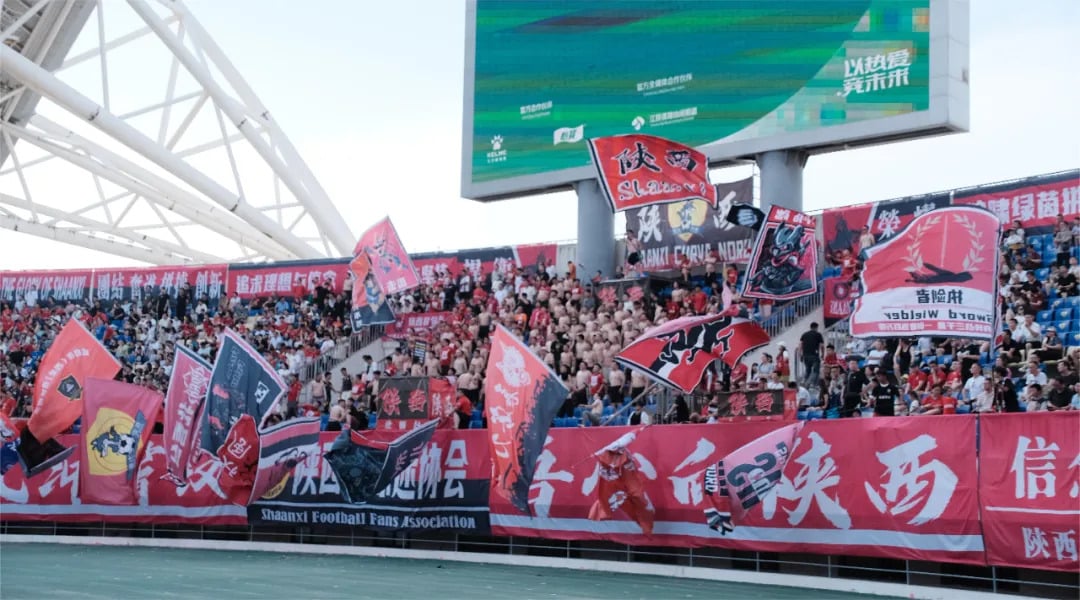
[118, 419]
[640, 170]
[183, 404]
[621, 486]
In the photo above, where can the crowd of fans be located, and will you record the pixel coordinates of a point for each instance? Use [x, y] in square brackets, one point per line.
[577, 328]
[1031, 366]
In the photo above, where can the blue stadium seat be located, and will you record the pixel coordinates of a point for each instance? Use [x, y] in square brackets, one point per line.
[608, 411]
[476, 425]
[477, 414]
[325, 420]
[1042, 274]
[945, 360]
[1044, 316]
[372, 420]
[1064, 314]
[1035, 242]
[1074, 339]
[1071, 301]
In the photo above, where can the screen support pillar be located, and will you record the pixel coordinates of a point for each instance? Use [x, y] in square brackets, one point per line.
[781, 178]
[595, 232]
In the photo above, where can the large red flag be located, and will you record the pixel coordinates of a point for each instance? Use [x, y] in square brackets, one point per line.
[281, 448]
[73, 357]
[390, 263]
[183, 405]
[118, 419]
[677, 353]
[239, 455]
[523, 395]
[639, 170]
[938, 277]
[753, 471]
[621, 486]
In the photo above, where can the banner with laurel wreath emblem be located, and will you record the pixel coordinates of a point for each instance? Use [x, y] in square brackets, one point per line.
[938, 277]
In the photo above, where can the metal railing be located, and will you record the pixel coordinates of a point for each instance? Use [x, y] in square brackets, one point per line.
[1030, 582]
[786, 315]
[341, 352]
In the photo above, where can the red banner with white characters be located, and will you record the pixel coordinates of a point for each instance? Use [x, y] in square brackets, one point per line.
[897, 488]
[837, 298]
[288, 279]
[141, 283]
[1035, 202]
[54, 494]
[421, 324]
[639, 170]
[434, 267]
[1029, 486]
[39, 286]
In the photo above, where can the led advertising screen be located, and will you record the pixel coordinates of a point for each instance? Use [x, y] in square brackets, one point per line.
[733, 77]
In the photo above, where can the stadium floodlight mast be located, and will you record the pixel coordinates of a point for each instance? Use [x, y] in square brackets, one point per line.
[201, 173]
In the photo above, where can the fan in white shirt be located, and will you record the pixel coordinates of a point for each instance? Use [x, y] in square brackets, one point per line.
[1029, 331]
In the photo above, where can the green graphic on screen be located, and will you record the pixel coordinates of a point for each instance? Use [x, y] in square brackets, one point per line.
[549, 75]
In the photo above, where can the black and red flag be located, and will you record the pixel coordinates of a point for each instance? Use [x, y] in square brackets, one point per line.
[523, 396]
[754, 470]
[677, 353]
[391, 266]
[369, 301]
[621, 486]
[364, 467]
[783, 264]
[639, 170]
[242, 383]
[281, 448]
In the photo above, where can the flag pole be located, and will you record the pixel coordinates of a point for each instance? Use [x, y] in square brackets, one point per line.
[632, 402]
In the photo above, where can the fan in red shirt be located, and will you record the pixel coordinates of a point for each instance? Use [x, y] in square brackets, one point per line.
[918, 380]
[938, 376]
[699, 300]
[596, 381]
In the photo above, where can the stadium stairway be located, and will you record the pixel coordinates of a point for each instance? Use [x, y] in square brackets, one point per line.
[787, 324]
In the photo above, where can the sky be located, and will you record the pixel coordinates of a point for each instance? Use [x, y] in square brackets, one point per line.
[371, 92]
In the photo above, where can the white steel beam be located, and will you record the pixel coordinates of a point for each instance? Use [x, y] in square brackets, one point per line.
[47, 85]
[129, 234]
[126, 174]
[329, 221]
[83, 240]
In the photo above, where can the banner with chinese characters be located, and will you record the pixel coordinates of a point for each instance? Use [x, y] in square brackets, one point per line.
[144, 283]
[288, 279]
[938, 277]
[403, 402]
[638, 170]
[482, 262]
[619, 291]
[1036, 201]
[39, 286]
[446, 489]
[691, 230]
[421, 324]
[54, 494]
[783, 265]
[843, 227]
[750, 405]
[895, 488]
[1029, 487]
[837, 299]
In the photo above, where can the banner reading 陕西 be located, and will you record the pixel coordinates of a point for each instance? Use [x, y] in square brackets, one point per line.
[692, 230]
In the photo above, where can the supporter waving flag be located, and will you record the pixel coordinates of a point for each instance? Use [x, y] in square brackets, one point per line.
[937, 277]
[390, 263]
[74, 356]
[621, 486]
[523, 396]
[678, 352]
[363, 469]
[639, 170]
[754, 470]
[242, 383]
[783, 265]
[118, 419]
[184, 400]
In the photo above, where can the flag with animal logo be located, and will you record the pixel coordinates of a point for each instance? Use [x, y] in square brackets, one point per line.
[74, 356]
[677, 353]
[639, 170]
[391, 266]
[281, 448]
[184, 401]
[938, 278]
[522, 397]
[365, 468]
[783, 265]
[621, 486]
[242, 383]
[117, 421]
[753, 470]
